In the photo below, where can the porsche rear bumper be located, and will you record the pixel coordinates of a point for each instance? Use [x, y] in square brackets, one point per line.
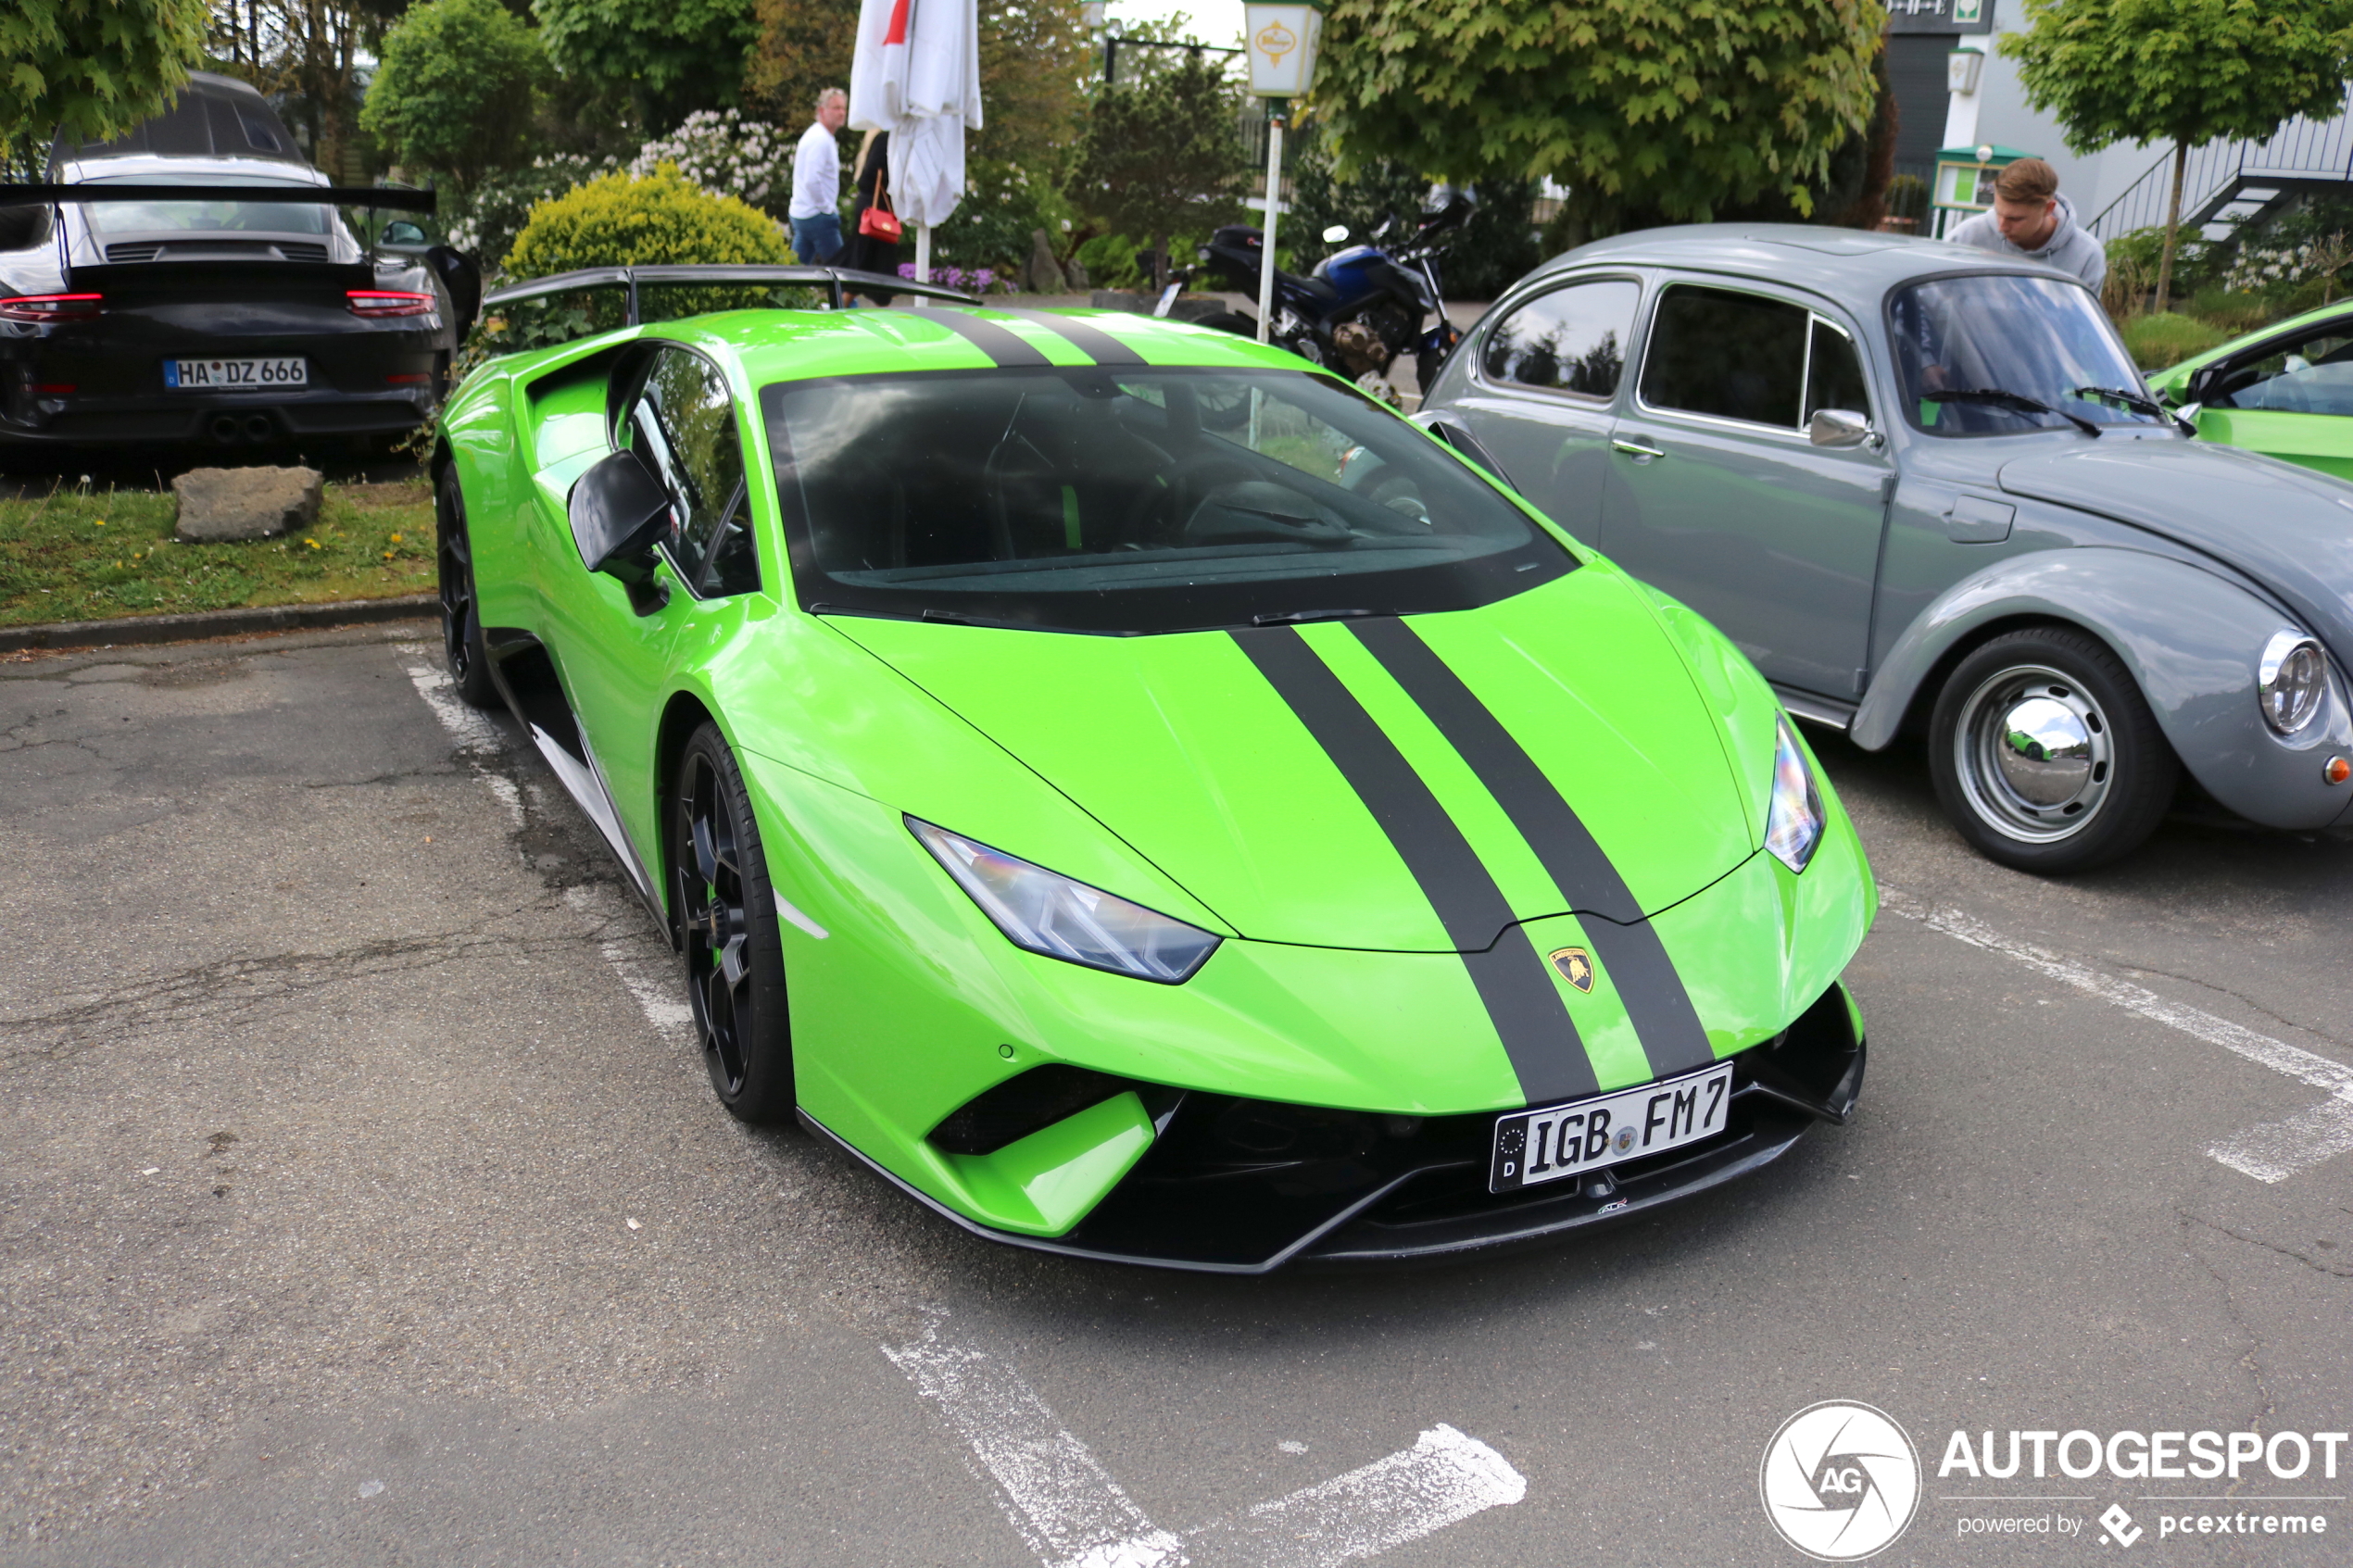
[1214, 1194]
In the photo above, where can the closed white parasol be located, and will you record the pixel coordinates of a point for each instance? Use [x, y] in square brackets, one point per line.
[917, 75]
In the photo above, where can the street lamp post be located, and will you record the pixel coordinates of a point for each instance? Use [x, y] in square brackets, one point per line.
[1282, 40]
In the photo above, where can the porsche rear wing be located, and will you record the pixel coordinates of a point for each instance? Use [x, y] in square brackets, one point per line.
[838, 282]
[395, 198]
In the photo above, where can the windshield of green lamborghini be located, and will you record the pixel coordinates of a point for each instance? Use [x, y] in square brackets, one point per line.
[1132, 501]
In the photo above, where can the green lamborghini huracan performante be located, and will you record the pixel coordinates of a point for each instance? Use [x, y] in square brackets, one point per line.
[1144, 798]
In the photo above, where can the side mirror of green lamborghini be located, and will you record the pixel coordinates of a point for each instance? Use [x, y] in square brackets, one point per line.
[620, 512]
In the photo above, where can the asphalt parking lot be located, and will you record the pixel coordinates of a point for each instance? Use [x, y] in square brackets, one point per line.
[365, 1202]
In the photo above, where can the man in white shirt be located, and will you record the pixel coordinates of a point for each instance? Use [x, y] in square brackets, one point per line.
[816, 183]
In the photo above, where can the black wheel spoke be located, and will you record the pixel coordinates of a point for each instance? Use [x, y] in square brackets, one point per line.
[731, 983]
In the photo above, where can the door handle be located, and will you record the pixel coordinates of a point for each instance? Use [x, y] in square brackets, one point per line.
[1634, 449]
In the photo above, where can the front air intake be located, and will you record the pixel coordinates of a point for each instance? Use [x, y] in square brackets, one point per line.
[1023, 1104]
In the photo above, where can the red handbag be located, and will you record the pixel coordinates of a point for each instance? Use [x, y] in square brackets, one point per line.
[879, 222]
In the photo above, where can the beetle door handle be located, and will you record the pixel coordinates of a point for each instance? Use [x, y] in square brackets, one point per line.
[1634, 449]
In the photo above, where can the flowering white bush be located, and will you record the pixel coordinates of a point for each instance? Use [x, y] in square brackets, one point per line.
[728, 156]
[484, 224]
[2257, 266]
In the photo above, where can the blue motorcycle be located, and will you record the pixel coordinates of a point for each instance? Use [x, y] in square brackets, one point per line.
[1363, 306]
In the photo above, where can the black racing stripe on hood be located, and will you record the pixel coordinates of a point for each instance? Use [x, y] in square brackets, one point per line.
[1628, 946]
[1006, 350]
[1513, 980]
[1087, 338]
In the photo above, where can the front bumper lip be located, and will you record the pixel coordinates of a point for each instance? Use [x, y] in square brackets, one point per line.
[1431, 1201]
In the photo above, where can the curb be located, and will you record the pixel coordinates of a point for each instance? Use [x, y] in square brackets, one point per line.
[135, 629]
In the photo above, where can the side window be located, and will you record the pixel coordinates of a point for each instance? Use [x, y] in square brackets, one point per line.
[1733, 356]
[2314, 376]
[1570, 340]
[683, 425]
[1834, 373]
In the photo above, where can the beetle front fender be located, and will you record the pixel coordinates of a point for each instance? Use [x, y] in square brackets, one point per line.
[2191, 641]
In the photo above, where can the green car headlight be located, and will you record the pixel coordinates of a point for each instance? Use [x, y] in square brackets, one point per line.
[1047, 912]
[1794, 822]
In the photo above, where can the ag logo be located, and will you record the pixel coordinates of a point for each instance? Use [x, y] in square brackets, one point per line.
[1576, 966]
[1840, 1481]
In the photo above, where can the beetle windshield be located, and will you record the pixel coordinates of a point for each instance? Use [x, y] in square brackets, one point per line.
[2037, 339]
[1117, 500]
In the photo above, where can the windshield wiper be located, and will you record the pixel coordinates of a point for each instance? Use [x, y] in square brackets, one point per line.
[1295, 617]
[2137, 403]
[1996, 397]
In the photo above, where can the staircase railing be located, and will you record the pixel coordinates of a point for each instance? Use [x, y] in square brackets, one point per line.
[2302, 150]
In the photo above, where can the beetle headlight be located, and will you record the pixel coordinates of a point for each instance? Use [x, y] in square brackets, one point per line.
[2290, 681]
[1047, 912]
[1794, 822]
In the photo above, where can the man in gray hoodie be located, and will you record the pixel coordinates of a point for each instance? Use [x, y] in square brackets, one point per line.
[2031, 218]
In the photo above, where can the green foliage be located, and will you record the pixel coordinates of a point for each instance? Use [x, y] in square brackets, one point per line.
[484, 220]
[1161, 156]
[1112, 262]
[2188, 71]
[2165, 338]
[991, 226]
[1375, 192]
[1499, 244]
[618, 222]
[1648, 110]
[454, 93]
[92, 68]
[668, 57]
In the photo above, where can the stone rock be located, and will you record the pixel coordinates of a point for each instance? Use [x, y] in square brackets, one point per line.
[1077, 273]
[217, 504]
[1044, 274]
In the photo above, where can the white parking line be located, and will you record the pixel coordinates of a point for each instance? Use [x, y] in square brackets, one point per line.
[1065, 1505]
[2272, 1152]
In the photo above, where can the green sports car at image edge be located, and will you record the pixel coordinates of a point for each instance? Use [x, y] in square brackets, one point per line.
[1145, 798]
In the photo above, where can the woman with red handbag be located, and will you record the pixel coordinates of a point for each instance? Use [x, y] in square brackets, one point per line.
[874, 228]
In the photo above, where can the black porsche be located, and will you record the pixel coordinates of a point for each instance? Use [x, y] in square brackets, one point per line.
[195, 282]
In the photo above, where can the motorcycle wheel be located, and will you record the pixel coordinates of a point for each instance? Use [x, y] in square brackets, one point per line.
[1426, 366]
[1231, 322]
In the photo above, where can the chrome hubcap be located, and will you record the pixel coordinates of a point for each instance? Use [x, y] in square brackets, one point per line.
[2033, 753]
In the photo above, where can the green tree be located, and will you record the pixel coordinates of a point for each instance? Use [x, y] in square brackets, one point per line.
[1647, 110]
[1163, 156]
[454, 93]
[665, 57]
[92, 68]
[2184, 71]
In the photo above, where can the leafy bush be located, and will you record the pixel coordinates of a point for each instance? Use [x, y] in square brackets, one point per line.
[454, 93]
[484, 222]
[1112, 262]
[618, 222]
[2232, 311]
[2157, 341]
[728, 155]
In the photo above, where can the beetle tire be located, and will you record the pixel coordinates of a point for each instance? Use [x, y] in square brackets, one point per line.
[2082, 804]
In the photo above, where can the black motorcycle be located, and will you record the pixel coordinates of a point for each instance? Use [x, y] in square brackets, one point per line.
[1361, 306]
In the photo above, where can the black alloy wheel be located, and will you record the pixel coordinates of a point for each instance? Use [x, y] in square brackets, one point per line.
[734, 962]
[2045, 755]
[462, 644]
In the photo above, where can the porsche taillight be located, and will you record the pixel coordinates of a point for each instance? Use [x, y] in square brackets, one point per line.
[390, 302]
[43, 307]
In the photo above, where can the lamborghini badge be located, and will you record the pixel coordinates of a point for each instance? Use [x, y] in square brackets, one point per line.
[1576, 966]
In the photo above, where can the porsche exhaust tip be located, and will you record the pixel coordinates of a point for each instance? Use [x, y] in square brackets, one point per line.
[225, 428]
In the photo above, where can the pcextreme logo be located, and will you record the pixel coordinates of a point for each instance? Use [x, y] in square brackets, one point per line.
[1840, 1480]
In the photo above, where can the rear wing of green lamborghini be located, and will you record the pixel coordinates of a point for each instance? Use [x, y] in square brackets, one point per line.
[545, 311]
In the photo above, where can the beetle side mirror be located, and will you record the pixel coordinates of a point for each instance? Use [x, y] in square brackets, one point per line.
[1838, 428]
[620, 512]
[1336, 233]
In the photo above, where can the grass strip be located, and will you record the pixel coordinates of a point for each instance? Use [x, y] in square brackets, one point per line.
[89, 554]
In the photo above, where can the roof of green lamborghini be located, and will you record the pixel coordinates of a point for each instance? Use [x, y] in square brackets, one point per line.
[799, 344]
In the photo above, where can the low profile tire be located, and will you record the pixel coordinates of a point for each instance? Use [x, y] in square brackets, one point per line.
[462, 644]
[2046, 756]
[734, 963]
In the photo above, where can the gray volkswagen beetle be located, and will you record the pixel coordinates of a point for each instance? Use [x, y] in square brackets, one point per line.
[1924, 488]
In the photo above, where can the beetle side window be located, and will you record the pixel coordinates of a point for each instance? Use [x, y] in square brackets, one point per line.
[683, 425]
[2313, 375]
[1834, 373]
[1569, 340]
[1729, 355]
